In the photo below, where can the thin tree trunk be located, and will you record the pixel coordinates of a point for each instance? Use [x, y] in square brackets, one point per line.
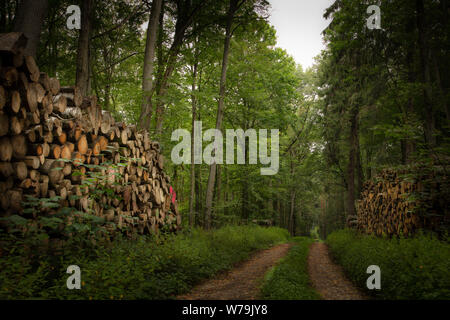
[359, 169]
[226, 196]
[352, 163]
[198, 191]
[408, 145]
[342, 208]
[292, 192]
[89, 83]
[291, 214]
[82, 73]
[162, 62]
[223, 77]
[194, 116]
[286, 217]
[245, 199]
[107, 96]
[184, 20]
[29, 20]
[368, 168]
[270, 203]
[147, 81]
[219, 186]
[162, 89]
[437, 75]
[52, 57]
[424, 59]
[280, 219]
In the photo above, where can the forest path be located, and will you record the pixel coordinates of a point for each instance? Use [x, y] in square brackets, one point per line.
[242, 282]
[328, 278]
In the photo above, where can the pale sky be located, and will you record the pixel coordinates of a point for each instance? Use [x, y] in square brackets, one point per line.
[299, 24]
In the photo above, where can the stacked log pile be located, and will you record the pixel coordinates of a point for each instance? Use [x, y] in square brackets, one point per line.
[49, 132]
[393, 205]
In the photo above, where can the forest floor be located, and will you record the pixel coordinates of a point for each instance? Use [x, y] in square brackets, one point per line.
[242, 282]
[328, 278]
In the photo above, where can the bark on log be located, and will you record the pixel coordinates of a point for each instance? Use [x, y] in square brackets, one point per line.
[13, 42]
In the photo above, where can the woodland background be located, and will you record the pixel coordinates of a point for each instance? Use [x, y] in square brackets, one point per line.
[374, 99]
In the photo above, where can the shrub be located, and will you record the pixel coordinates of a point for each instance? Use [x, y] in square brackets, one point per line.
[289, 280]
[146, 268]
[414, 268]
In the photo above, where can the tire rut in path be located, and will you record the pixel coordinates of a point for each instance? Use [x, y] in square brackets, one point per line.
[241, 282]
[328, 278]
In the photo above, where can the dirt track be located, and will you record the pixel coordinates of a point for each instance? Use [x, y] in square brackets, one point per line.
[328, 278]
[243, 281]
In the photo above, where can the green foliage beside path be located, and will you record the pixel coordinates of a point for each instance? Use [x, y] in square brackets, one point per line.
[146, 268]
[413, 268]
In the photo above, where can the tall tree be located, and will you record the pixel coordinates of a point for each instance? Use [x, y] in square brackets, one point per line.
[430, 122]
[353, 144]
[194, 119]
[83, 55]
[147, 81]
[234, 6]
[186, 12]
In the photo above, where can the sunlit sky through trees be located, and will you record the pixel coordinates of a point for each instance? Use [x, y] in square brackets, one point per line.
[299, 24]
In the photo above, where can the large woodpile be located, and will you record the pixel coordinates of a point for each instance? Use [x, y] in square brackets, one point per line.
[48, 132]
[392, 204]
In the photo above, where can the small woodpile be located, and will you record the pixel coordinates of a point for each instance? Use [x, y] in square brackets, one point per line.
[395, 205]
[48, 132]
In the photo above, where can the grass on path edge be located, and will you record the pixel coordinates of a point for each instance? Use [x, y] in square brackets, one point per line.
[289, 279]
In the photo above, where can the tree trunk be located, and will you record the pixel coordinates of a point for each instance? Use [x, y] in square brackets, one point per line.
[223, 78]
[292, 192]
[186, 15]
[441, 89]
[425, 66]
[226, 196]
[162, 90]
[219, 186]
[408, 145]
[353, 141]
[280, 219]
[29, 20]
[286, 217]
[147, 78]
[83, 74]
[291, 214]
[368, 165]
[198, 191]
[244, 199]
[359, 169]
[194, 116]
[107, 96]
[270, 203]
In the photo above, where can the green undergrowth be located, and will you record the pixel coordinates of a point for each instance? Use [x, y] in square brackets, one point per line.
[411, 268]
[145, 268]
[289, 279]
